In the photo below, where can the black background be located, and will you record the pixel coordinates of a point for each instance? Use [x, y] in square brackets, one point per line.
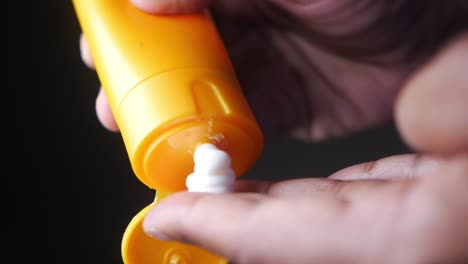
[76, 191]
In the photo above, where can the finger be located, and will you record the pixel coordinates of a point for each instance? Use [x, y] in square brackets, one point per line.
[407, 166]
[245, 227]
[432, 110]
[307, 188]
[287, 188]
[86, 52]
[399, 167]
[104, 112]
[436, 214]
[168, 7]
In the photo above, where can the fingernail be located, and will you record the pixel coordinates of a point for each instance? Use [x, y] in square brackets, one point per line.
[149, 5]
[158, 6]
[150, 226]
[155, 233]
[170, 6]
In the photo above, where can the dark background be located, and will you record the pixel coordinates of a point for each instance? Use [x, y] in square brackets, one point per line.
[76, 192]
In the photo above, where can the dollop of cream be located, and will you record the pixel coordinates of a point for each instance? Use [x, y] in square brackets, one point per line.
[212, 172]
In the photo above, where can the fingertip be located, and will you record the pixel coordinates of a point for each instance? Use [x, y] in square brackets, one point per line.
[104, 112]
[161, 219]
[211, 221]
[169, 7]
[151, 226]
[85, 52]
[431, 111]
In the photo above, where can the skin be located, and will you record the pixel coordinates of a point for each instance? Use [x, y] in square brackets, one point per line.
[338, 67]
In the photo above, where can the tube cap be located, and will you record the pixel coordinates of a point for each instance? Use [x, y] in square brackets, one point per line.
[139, 248]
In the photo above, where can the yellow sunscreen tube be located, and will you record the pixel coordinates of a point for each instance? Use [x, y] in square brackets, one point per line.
[171, 87]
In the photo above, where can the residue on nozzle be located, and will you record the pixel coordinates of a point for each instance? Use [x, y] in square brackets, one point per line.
[217, 138]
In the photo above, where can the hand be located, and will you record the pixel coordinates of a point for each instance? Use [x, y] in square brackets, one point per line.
[335, 68]
[403, 209]
[420, 219]
[317, 69]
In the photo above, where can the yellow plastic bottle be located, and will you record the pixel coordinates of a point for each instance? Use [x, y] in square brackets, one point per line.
[171, 87]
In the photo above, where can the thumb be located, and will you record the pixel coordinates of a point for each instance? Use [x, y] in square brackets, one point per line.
[432, 110]
[169, 7]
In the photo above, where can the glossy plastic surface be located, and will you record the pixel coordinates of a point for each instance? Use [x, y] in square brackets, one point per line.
[171, 87]
[138, 247]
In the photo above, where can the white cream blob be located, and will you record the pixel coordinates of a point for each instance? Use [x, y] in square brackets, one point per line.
[212, 172]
